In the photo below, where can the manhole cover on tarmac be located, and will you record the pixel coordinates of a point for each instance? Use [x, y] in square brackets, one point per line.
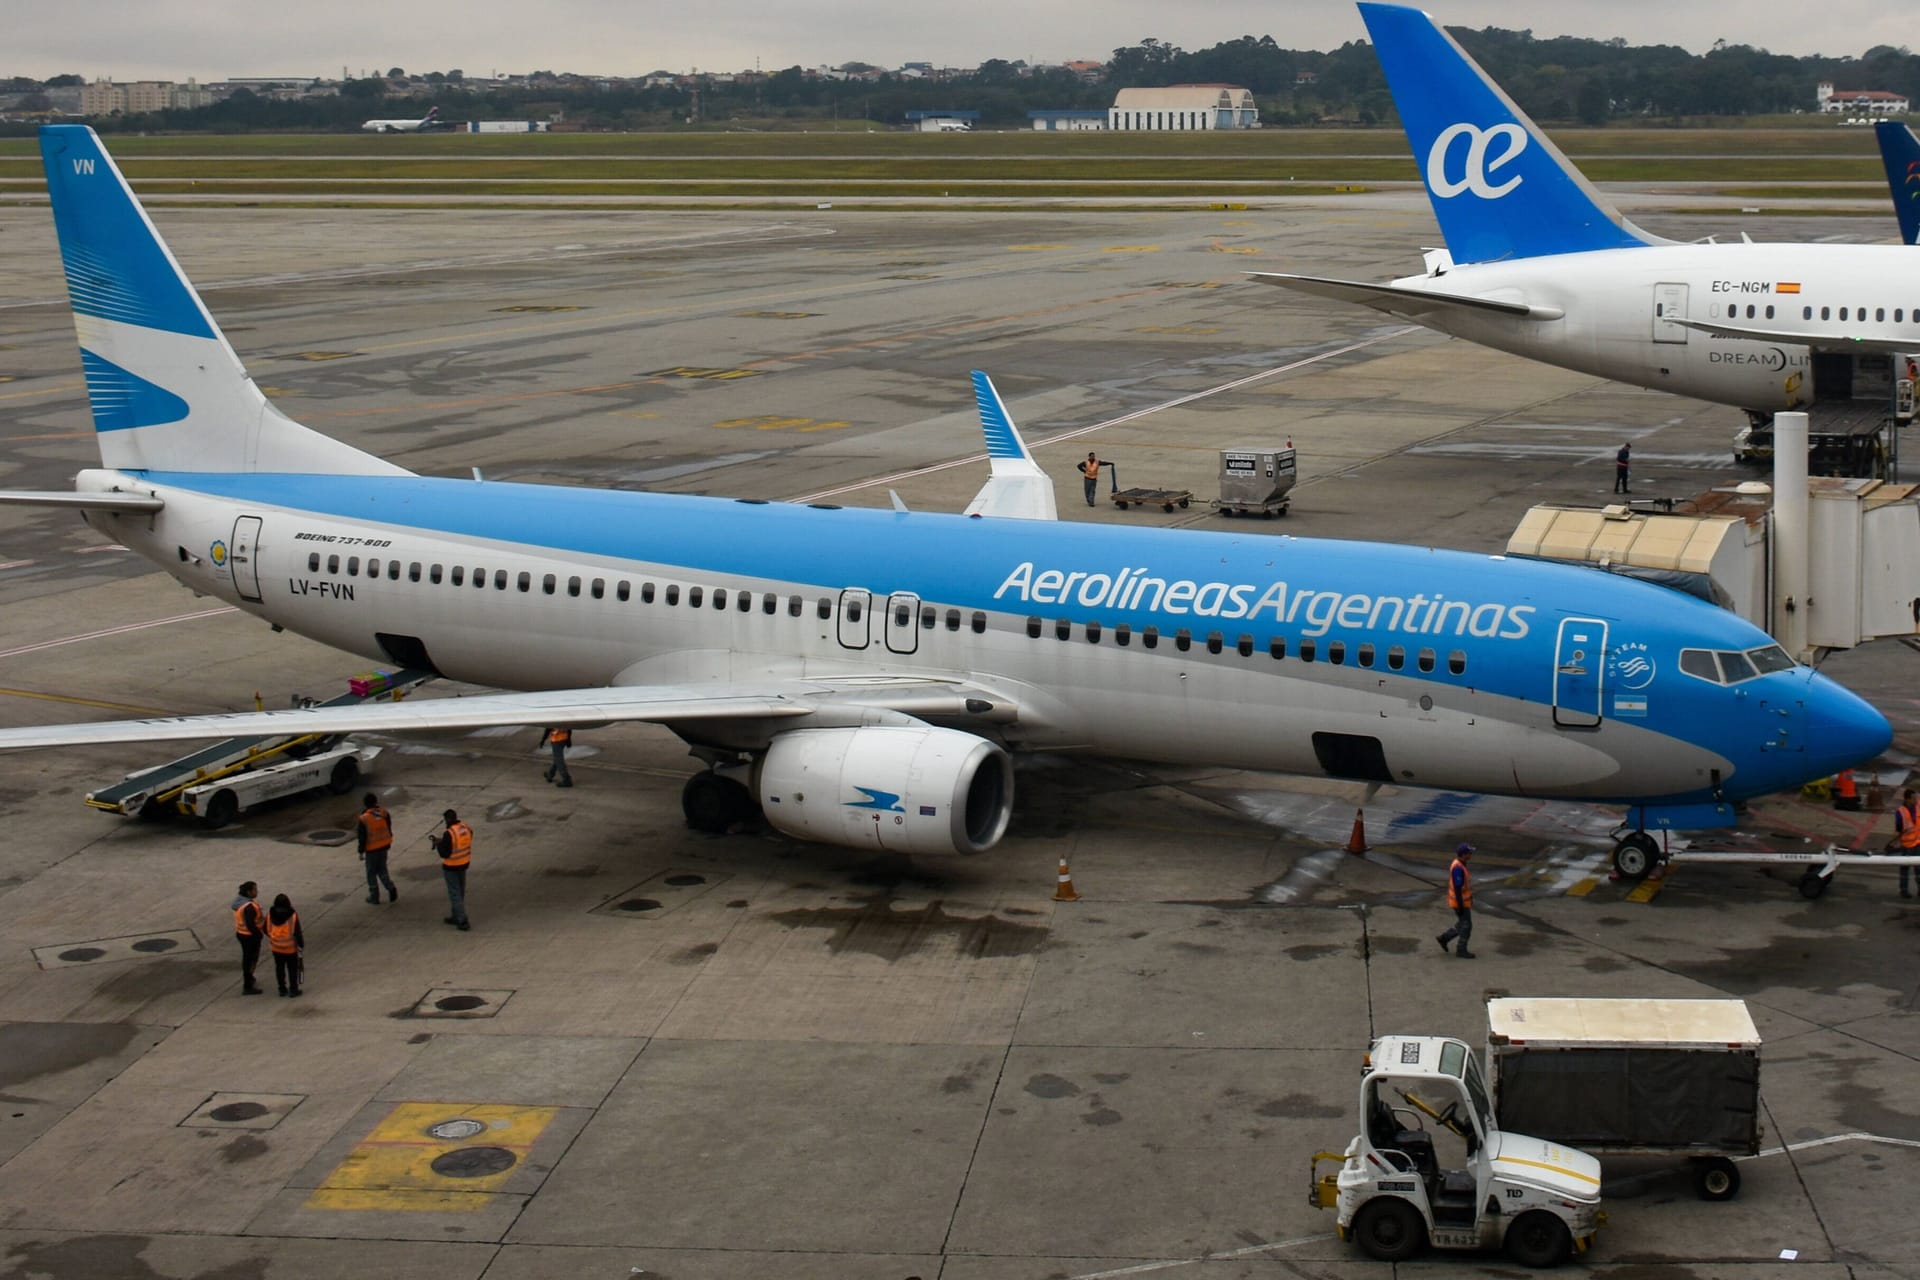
[473, 1162]
[638, 904]
[82, 953]
[456, 1004]
[155, 944]
[237, 1111]
[686, 878]
[327, 836]
[454, 1130]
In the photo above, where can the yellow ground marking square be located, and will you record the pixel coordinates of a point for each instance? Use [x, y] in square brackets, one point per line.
[1582, 888]
[1646, 891]
[393, 1166]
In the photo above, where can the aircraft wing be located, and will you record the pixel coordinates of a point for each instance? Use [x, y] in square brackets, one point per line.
[1795, 338]
[658, 704]
[1413, 304]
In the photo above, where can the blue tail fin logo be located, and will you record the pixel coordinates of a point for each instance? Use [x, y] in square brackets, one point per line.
[1499, 188]
[1900, 153]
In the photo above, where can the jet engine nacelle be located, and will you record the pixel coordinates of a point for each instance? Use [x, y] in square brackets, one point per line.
[905, 789]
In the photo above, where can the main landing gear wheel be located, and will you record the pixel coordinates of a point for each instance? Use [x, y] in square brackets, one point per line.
[713, 803]
[1389, 1230]
[1716, 1178]
[1538, 1239]
[1812, 884]
[1635, 856]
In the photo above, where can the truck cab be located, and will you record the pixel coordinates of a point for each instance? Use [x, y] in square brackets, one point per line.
[1430, 1167]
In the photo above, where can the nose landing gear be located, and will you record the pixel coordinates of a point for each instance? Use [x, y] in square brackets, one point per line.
[1635, 856]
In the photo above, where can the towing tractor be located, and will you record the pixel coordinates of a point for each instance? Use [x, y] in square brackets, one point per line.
[1429, 1167]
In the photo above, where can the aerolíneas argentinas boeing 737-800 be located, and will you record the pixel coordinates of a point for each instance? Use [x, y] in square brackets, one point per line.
[1538, 264]
[863, 675]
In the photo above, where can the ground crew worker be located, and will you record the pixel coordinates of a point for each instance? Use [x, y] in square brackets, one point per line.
[1090, 472]
[1846, 792]
[249, 925]
[1460, 898]
[1622, 464]
[1906, 837]
[559, 737]
[455, 847]
[375, 836]
[288, 943]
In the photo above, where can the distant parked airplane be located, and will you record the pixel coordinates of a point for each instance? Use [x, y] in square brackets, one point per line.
[862, 676]
[1537, 263]
[425, 123]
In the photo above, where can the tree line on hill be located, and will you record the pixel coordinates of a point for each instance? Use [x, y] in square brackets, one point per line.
[1562, 80]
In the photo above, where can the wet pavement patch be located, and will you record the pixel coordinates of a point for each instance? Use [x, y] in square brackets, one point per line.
[111, 950]
[659, 894]
[1048, 1085]
[881, 926]
[456, 1002]
[30, 1050]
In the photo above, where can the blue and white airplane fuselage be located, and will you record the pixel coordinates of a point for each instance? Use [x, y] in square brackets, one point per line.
[1537, 263]
[863, 676]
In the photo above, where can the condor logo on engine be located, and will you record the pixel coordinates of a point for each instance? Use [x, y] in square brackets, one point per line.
[884, 801]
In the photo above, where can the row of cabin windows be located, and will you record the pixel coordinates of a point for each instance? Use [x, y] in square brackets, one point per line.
[1859, 313]
[721, 598]
[1364, 653]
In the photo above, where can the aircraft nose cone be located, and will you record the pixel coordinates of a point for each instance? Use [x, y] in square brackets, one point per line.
[1847, 730]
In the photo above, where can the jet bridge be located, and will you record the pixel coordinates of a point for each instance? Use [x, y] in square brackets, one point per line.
[1850, 574]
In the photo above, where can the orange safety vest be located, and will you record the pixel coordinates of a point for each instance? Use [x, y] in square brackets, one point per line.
[1909, 837]
[244, 927]
[1844, 784]
[1090, 468]
[379, 825]
[280, 936]
[562, 736]
[459, 846]
[1461, 897]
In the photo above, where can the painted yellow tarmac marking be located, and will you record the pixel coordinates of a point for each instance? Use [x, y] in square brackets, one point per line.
[713, 375]
[1646, 890]
[392, 1167]
[538, 309]
[776, 315]
[1179, 328]
[1217, 247]
[322, 355]
[774, 422]
[1584, 887]
[88, 702]
[1131, 248]
[1032, 248]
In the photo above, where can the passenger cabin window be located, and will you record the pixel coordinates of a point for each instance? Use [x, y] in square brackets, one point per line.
[1183, 639]
[573, 587]
[1122, 634]
[719, 598]
[1337, 652]
[1093, 633]
[1150, 637]
[499, 579]
[353, 566]
[1457, 662]
[824, 608]
[1214, 642]
[393, 571]
[672, 593]
[1063, 628]
[413, 572]
[953, 619]
[979, 622]
[1306, 651]
[696, 594]
[794, 605]
[433, 575]
[1245, 645]
[313, 562]
[548, 584]
[599, 589]
[373, 568]
[525, 581]
[1364, 655]
[458, 577]
[1033, 628]
[769, 604]
[1396, 657]
[1277, 647]
[1426, 660]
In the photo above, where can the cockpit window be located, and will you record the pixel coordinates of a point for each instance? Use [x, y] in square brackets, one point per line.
[1698, 662]
[1732, 666]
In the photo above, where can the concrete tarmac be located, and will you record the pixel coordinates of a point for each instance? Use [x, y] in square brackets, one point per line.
[666, 1053]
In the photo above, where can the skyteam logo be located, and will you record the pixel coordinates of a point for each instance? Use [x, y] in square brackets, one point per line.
[1633, 668]
[1487, 152]
[884, 801]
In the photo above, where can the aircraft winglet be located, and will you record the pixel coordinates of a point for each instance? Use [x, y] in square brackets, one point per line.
[1018, 489]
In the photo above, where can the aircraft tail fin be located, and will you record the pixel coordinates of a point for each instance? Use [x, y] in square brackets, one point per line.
[167, 391]
[1018, 488]
[1499, 188]
[1900, 152]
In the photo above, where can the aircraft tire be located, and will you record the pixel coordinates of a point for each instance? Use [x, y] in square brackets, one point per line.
[1635, 856]
[713, 803]
[1812, 885]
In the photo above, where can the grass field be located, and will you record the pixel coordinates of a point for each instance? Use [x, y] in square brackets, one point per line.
[1744, 163]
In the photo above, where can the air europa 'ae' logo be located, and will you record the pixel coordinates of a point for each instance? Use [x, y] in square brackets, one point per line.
[1631, 666]
[1510, 140]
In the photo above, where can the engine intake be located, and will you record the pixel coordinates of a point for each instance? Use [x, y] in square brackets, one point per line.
[906, 789]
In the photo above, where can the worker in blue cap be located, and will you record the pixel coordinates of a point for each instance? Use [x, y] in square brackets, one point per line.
[1460, 898]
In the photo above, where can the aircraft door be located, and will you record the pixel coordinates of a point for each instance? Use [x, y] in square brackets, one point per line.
[243, 555]
[1579, 661]
[1669, 304]
[855, 605]
[903, 633]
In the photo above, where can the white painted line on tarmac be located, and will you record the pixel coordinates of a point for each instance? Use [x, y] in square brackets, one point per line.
[1838, 1137]
[1076, 433]
[1144, 1267]
[15, 564]
[115, 631]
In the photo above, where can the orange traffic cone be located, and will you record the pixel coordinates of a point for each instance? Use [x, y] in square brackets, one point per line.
[1357, 842]
[1064, 892]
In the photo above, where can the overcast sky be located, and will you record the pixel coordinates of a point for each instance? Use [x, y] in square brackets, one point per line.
[218, 39]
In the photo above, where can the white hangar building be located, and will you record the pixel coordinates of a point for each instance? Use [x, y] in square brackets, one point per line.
[1184, 106]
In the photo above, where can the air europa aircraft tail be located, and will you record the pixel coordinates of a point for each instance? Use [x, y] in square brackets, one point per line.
[167, 391]
[1900, 152]
[1498, 187]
